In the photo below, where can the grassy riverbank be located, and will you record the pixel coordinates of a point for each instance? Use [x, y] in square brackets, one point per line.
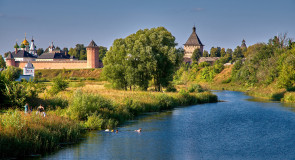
[25, 134]
[272, 92]
[90, 105]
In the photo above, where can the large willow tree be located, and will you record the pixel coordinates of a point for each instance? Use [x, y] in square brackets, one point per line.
[141, 57]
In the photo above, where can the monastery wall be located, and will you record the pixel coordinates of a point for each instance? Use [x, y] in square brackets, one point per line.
[81, 64]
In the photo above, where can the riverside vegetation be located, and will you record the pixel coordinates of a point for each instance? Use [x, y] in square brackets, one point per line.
[74, 101]
[78, 105]
[263, 70]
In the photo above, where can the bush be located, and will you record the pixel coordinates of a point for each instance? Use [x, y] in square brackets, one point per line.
[195, 88]
[73, 78]
[84, 105]
[59, 84]
[165, 101]
[11, 73]
[94, 122]
[171, 88]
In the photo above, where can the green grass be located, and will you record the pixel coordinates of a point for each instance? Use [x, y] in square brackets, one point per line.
[25, 134]
[82, 106]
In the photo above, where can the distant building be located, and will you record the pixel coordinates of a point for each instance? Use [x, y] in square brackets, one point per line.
[53, 59]
[28, 72]
[191, 44]
[209, 60]
[243, 45]
[29, 69]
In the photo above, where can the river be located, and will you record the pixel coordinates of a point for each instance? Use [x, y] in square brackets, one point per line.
[235, 129]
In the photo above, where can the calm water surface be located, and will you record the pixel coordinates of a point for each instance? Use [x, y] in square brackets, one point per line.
[235, 129]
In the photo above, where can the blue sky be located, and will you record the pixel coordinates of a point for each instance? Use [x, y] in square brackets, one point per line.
[69, 22]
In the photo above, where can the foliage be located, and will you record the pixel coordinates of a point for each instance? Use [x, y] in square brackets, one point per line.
[146, 55]
[171, 88]
[84, 105]
[18, 93]
[195, 88]
[25, 134]
[11, 73]
[78, 52]
[205, 53]
[59, 84]
[40, 51]
[102, 52]
[2, 62]
[196, 55]
[215, 52]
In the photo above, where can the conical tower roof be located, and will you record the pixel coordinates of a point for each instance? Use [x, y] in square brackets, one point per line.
[193, 40]
[92, 44]
[10, 56]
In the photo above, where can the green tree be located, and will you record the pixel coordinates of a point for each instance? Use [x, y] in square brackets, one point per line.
[205, 53]
[179, 56]
[222, 52]
[237, 53]
[148, 54]
[65, 49]
[215, 52]
[2, 62]
[196, 55]
[102, 52]
[229, 52]
[59, 84]
[83, 55]
[40, 51]
[11, 73]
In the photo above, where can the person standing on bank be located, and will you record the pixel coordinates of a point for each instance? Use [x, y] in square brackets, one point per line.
[26, 107]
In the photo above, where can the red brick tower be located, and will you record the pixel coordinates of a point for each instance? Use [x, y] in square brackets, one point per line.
[10, 61]
[92, 55]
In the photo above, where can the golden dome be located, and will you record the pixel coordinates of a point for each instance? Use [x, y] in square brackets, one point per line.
[25, 42]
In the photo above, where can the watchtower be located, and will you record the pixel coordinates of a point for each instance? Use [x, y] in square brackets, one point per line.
[191, 44]
[92, 55]
[10, 61]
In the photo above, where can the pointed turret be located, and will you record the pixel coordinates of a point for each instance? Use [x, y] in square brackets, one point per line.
[10, 61]
[92, 44]
[191, 44]
[193, 40]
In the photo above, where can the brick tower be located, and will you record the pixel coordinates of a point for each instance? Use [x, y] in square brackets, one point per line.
[10, 61]
[92, 55]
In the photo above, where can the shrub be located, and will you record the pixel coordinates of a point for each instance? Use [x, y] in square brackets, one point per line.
[11, 73]
[84, 105]
[165, 101]
[94, 122]
[195, 88]
[171, 88]
[59, 84]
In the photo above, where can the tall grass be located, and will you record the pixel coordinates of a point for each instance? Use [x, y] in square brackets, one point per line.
[289, 97]
[98, 112]
[24, 134]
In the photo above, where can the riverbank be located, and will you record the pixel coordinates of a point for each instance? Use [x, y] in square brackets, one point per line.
[90, 105]
[222, 81]
[26, 134]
